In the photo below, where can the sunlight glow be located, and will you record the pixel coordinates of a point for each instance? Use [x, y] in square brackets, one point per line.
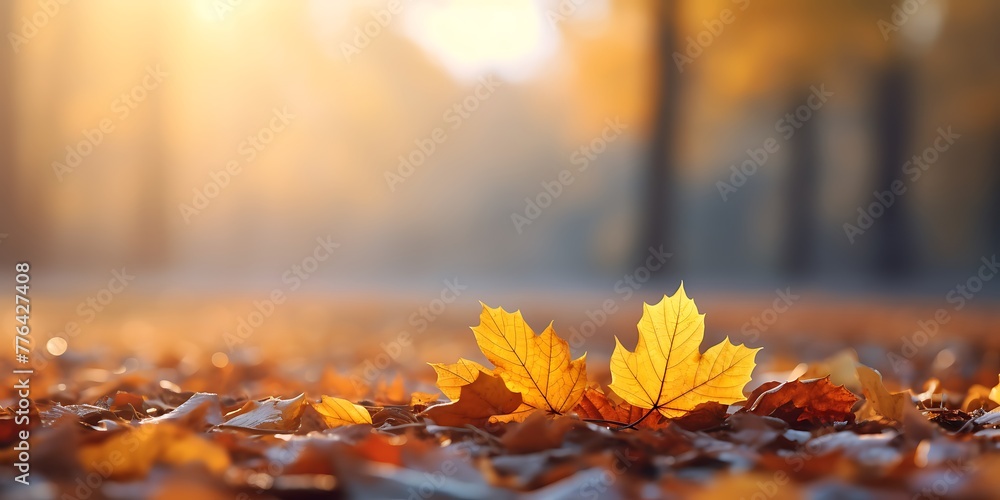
[57, 346]
[924, 26]
[474, 37]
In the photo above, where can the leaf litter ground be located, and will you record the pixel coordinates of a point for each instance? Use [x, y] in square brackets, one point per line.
[532, 425]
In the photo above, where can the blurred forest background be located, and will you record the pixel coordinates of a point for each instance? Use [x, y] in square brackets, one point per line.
[695, 83]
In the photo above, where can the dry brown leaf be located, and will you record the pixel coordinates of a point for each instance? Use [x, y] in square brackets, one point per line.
[133, 403]
[812, 402]
[707, 415]
[273, 414]
[200, 410]
[537, 433]
[596, 405]
[485, 397]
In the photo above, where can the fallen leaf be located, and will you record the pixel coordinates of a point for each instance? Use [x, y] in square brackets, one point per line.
[989, 418]
[916, 427]
[273, 414]
[337, 412]
[840, 368]
[424, 399]
[538, 367]
[200, 410]
[538, 433]
[884, 403]
[595, 405]
[978, 396]
[451, 378]
[995, 393]
[133, 452]
[867, 450]
[393, 416]
[123, 401]
[485, 397]
[87, 414]
[707, 415]
[814, 402]
[667, 373]
[951, 420]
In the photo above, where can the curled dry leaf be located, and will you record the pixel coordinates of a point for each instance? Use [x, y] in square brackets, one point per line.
[978, 396]
[538, 367]
[840, 367]
[123, 401]
[667, 372]
[200, 410]
[485, 397]
[811, 402]
[337, 412]
[272, 414]
[884, 403]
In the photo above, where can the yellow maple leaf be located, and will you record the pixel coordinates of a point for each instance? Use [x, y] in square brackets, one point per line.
[451, 378]
[538, 367]
[337, 412]
[667, 373]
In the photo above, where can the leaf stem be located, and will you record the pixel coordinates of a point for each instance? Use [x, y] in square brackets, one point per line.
[633, 424]
[603, 421]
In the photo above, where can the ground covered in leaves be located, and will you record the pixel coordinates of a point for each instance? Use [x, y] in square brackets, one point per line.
[533, 425]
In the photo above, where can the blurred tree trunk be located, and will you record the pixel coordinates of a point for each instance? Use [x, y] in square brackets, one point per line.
[993, 218]
[801, 198]
[893, 239]
[658, 225]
